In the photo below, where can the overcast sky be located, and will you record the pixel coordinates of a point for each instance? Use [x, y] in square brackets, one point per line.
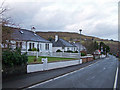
[95, 17]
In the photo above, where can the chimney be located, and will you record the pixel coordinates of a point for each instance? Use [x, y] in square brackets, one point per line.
[56, 38]
[33, 29]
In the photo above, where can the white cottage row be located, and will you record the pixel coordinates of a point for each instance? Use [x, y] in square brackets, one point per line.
[28, 40]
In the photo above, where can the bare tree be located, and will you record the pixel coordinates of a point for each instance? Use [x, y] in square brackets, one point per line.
[6, 23]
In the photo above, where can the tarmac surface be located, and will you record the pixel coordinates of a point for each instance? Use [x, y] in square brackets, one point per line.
[98, 75]
[102, 72]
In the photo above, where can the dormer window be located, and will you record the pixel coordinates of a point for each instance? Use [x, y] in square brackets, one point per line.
[21, 32]
[35, 34]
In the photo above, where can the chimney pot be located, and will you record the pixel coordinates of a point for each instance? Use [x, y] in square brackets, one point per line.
[56, 38]
[33, 29]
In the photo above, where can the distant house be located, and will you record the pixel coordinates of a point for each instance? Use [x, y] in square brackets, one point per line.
[97, 52]
[79, 46]
[62, 45]
[27, 40]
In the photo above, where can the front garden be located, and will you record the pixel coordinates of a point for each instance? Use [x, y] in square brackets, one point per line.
[32, 59]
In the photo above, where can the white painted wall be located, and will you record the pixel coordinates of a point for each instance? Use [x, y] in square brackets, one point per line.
[70, 48]
[65, 49]
[54, 65]
[54, 49]
[41, 48]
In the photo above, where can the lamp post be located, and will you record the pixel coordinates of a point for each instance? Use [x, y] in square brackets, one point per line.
[80, 43]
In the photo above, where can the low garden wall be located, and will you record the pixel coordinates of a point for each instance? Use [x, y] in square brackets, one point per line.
[49, 66]
[54, 65]
[87, 58]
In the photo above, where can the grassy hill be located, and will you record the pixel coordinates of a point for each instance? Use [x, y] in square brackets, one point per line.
[75, 37]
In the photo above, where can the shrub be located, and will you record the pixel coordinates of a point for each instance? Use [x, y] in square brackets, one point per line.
[11, 58]
[29, 49]
[75, 52]
[83, 54]
[110, 53]
[58, 50]
[38, 50]
[34, 49]
[69, 51]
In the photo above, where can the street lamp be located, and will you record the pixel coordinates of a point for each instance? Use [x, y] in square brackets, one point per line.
[80, 42]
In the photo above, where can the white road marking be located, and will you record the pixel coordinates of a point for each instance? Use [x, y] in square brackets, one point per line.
[115, 83]
[61, 76]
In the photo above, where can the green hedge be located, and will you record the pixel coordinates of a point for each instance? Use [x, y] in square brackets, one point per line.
[83, 54]
[34, 49]
[11, 58]
[58, 50]
[14, 63]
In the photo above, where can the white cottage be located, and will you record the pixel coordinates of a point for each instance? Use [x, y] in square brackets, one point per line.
[28, 39]
[79, 46]
[63, 45]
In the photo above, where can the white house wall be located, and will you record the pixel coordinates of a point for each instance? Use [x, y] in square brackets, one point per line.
[54, 49]
[41, 46]
[65, 49]
[26, 47]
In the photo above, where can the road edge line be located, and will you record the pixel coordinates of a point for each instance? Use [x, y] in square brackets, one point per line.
[115, 82]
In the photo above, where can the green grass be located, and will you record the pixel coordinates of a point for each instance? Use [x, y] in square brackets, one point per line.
[50, 59]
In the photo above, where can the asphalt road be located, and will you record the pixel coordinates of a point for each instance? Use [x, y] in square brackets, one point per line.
[98, 75]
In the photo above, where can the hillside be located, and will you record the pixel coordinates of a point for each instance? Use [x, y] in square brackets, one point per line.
[75, 37]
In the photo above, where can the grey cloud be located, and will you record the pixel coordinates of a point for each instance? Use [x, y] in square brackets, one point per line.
[67, 14]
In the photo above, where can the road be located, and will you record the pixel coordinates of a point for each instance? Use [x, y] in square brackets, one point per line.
[98, 75]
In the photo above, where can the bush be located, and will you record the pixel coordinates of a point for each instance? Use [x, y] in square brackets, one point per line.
[58, 50]
[75, 52]
[12, 58]
[83, 54]
[34, 49]
[110, 53]
[69, 51]
[29, 49]
[38, 50]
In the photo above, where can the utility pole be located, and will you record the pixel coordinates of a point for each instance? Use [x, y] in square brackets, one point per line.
[80, 44]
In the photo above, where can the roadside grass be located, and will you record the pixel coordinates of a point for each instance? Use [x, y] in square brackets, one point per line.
[50, 59]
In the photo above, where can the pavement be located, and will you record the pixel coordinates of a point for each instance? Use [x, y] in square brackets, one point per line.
[98, 75]
[27, 80]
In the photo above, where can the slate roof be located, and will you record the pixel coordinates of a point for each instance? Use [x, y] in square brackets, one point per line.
[79, 45]
[61, 43]
[26, 35]
[74, 44]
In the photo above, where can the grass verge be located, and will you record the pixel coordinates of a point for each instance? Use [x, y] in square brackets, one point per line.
[50, 59]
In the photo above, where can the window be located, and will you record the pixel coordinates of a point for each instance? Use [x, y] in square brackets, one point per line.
[46, 46]
[21, 32]
[74, 48]
[30, 46]
[40, 46]
[20, 44]
[67, 49]
[37, 46]
[35, 34]
[33, 45]
[16, 44]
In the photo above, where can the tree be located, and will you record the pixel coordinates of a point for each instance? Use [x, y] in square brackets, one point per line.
[106, 48]
[91, 46]
[6, 23]
[50, 38]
